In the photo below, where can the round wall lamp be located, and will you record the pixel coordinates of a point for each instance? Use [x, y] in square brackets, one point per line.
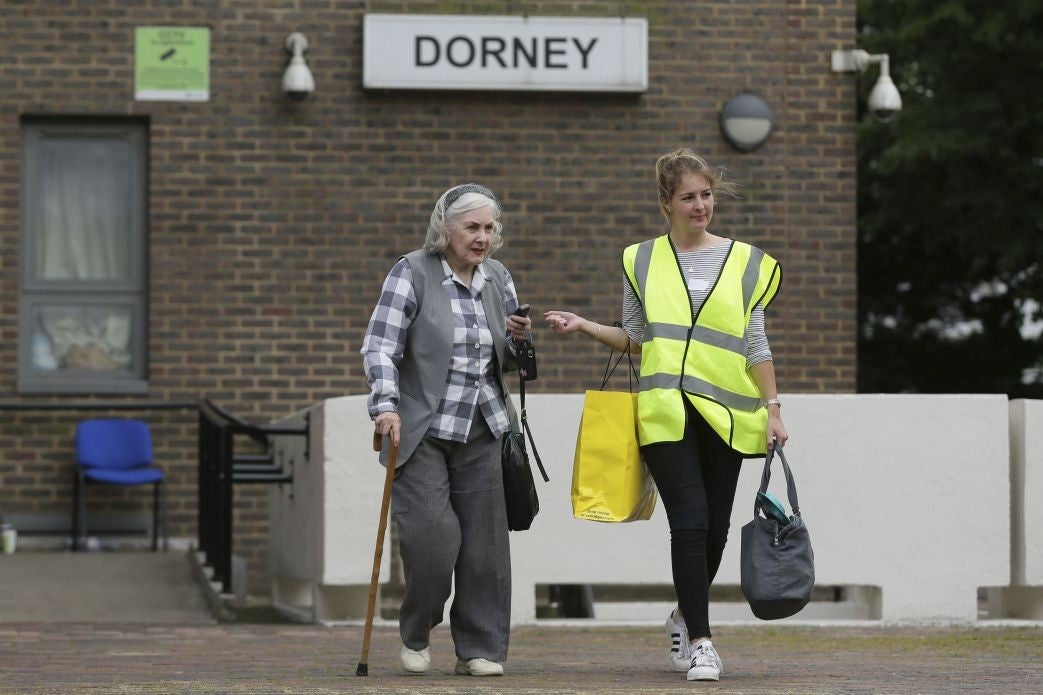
[746, 122]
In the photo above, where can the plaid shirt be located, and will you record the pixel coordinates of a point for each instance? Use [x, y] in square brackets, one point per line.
[470, 383]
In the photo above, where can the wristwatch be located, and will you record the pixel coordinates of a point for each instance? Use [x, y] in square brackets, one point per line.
[773, 401]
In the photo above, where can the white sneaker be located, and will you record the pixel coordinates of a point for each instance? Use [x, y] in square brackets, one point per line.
[706, 663]
[478, 667]
[414, 661]
[680, 650]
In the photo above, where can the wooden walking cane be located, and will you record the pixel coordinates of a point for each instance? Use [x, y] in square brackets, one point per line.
[389, 479]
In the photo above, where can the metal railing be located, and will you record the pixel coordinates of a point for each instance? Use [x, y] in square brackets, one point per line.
[221, 468]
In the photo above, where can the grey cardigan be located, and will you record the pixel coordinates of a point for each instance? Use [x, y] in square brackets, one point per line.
[429, 347]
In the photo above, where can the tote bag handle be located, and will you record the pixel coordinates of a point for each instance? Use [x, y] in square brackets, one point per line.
[791, 486]
[610, 368]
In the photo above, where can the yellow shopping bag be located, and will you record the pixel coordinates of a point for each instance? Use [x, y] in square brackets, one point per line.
[609, 479]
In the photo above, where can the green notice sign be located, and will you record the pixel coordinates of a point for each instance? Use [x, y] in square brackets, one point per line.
[172, 63]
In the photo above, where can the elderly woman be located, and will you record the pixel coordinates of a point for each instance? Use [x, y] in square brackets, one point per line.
[435, 351]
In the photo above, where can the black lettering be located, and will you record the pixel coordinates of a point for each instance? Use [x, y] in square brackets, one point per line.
[461, 51]
[530, 56]
[548, 52]
[486, 51]
[449, 51]
[418, 48]
[585, 53]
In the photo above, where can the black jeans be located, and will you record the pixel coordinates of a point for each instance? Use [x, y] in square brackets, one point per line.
[696, 478]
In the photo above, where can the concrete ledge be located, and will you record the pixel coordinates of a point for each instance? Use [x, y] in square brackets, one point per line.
[889, 486]
[102, 587]
[885, 482]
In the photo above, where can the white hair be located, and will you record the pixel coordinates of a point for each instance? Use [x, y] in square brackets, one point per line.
[437, 239]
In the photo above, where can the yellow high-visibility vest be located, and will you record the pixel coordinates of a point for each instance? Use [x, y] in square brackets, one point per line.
[703, 355]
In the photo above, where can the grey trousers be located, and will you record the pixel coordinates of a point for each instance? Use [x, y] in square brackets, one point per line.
[448, 503]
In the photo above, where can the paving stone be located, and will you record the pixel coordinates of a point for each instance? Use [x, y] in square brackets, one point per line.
[306, 659]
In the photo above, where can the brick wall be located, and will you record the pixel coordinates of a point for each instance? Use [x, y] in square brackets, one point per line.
[272, 223]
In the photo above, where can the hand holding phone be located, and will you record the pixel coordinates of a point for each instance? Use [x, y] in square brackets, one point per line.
[523, 312]
[526, 355]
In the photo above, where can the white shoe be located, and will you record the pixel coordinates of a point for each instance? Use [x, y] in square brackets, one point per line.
[706, 663]
[680, 650]
[414, 661]
[478, 667]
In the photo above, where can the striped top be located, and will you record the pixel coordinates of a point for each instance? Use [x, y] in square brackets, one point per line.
[701, 269]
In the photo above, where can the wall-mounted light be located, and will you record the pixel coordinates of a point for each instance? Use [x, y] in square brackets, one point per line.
[884, 100]
[746, 122]
[297, 81]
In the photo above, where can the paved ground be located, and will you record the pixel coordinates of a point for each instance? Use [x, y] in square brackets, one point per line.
[137, 623]
[307, 659]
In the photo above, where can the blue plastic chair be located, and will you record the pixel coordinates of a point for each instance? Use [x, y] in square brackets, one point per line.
[115, 452]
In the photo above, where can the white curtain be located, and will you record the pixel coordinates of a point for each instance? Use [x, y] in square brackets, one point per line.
[83, 235]
[84, 231]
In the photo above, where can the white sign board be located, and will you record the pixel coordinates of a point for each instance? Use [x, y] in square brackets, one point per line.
[485, 52]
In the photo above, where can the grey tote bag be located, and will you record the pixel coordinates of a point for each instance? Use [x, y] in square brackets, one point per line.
[778, 564]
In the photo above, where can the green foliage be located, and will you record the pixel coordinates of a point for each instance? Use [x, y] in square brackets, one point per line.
[950, 206]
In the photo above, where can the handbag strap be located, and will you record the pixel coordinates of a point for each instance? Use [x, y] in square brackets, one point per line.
[610, 368]
[528, 432]
[791, 486]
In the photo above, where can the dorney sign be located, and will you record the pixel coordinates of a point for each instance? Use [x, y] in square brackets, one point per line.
[486, 52]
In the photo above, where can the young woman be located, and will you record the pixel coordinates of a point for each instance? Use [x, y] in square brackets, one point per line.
[693, 306]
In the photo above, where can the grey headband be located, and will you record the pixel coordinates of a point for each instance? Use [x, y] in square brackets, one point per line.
[454, 193]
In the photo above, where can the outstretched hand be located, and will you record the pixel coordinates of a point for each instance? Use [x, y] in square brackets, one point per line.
[562, 322]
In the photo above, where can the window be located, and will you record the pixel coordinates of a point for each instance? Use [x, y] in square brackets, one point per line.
[82, 309]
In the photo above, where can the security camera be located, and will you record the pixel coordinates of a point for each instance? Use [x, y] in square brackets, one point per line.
[884, 100]
[297, 81]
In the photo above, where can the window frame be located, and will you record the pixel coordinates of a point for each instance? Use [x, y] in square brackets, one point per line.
[34, 291]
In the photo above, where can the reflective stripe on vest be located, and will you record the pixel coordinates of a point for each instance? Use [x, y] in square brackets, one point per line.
[704, 355]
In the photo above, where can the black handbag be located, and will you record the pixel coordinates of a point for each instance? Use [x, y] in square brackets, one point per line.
[519, 489]
[777, 562]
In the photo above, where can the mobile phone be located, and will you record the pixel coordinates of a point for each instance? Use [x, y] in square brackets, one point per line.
[526, 354]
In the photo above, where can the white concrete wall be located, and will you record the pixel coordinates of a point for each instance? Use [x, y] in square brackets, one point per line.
[324, 526]
[1027, 496]
[1023, 598]
[907, 493]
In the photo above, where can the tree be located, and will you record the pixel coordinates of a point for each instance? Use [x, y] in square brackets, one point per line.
[950, 203]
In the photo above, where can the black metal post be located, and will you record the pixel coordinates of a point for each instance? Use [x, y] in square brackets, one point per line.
[223, 565]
